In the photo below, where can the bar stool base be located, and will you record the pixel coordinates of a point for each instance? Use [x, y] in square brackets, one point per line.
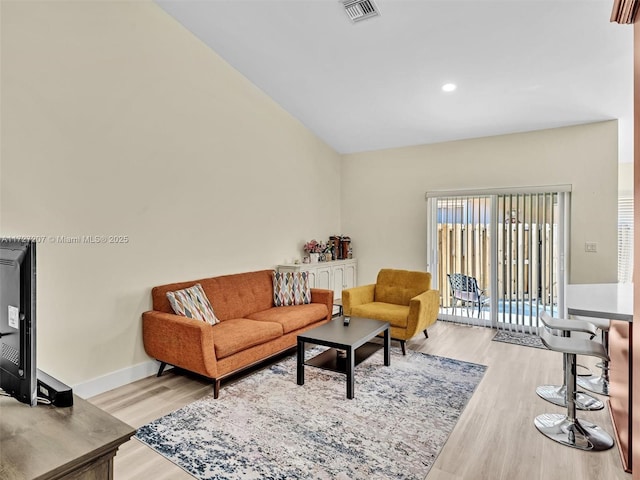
[579, 434]
[595, 384]
[557, 394]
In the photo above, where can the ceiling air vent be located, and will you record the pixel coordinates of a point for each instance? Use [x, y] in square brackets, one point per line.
[358, 10]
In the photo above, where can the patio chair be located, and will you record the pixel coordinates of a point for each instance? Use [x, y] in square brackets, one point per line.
[465, 289]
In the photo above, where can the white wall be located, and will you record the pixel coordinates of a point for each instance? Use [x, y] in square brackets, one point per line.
[383, 192]
[117, 121]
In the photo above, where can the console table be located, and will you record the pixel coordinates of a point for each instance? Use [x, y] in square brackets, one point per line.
[335, 275]
[48, 443]
[613, 301]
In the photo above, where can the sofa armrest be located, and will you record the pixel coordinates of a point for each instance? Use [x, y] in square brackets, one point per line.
[357, 296]
[321, 295]
[423, 311]
[180, 341]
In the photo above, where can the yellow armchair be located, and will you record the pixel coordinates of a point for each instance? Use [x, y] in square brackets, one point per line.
[401, 297]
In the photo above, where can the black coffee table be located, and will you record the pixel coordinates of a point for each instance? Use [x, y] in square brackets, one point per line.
[354, 339]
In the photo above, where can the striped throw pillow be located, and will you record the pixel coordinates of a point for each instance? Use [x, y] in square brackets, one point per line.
[193, 303]
[291, 288]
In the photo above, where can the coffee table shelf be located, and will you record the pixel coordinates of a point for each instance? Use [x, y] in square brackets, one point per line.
[328, 360]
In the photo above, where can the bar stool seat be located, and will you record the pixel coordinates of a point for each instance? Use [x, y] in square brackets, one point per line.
[557, 394]
[598, 383]
[567, 429]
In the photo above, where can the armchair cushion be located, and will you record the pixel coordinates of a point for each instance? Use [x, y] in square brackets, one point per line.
[396, 315]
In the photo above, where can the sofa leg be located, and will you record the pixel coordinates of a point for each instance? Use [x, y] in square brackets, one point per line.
[426, 335]
[161, 369]
[216, 388]
[404, 349]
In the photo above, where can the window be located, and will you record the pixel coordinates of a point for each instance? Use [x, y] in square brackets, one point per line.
[625, 239]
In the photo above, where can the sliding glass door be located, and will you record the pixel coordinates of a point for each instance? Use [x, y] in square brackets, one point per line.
[498, 258]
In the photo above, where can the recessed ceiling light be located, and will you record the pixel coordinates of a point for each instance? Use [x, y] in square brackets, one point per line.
[449, 87]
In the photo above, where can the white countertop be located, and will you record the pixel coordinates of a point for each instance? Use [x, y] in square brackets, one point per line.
[601, 300]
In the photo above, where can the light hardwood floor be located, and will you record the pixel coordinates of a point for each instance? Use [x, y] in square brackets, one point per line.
[494, 438]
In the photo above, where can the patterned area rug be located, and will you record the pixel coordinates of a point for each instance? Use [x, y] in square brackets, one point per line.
[267, 426]
[518, 338]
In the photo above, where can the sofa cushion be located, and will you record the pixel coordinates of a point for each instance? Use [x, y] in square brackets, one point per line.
[396, 315]
[237, 295]
[232, 296]
[294, 317]
[400, 286]
[237, 334]
[192, 303]
[291, 288]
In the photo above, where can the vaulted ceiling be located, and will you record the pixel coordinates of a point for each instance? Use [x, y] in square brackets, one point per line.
[518, 65]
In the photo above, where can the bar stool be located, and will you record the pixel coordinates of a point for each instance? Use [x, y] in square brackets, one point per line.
[598, 383]
[567, 429]
[557, 394]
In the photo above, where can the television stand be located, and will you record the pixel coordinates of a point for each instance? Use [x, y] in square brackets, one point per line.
[49, 443]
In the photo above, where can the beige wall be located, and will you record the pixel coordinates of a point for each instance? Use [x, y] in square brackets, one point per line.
[383, 192]
[625, 179]
[117, 121]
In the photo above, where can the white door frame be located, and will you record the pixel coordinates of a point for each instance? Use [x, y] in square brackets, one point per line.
[564, 241]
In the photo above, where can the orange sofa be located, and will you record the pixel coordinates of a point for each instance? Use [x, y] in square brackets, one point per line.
[251, 328]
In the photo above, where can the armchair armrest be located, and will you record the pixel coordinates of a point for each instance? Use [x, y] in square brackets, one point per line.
[357, 296]
[423, 311]
[321, 295]
[180, 341]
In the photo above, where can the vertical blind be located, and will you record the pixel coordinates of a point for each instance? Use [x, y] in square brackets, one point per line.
[464, 235]
[624, 11]
[511, 246]
[625, 239]
[528, 255]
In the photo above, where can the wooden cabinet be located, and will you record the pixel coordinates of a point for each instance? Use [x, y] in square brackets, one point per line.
[320, 277]
[338, 279]
[66, 443]
[350, 275]
[620, 401]
[336, 275]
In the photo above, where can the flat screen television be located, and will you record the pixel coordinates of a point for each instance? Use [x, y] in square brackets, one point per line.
[18, 376]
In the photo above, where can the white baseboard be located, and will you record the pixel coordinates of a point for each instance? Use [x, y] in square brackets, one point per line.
[116, 379]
